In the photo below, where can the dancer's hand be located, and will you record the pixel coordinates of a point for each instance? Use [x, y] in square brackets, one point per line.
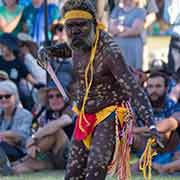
[43, 57]
[155, 134]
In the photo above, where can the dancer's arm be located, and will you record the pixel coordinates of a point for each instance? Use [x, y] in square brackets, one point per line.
[129, 86]
[60, 50]
[45, 54]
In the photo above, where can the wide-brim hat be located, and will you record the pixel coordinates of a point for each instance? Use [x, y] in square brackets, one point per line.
[3, 75]
[43, 92]
[55, 25]
[26, 39]
[10, 41]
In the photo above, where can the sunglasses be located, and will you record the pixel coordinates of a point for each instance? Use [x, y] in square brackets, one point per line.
[51, 96]
[6, 96]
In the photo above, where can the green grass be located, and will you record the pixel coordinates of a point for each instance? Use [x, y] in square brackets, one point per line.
[59, 175]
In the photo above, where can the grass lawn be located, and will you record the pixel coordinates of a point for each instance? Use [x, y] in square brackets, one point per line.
[58, 175]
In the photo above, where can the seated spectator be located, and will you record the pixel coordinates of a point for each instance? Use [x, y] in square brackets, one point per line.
[28, 50]
[11, 63]
[158, 65]
[62, 67]
[58, 35]
[33, 18]
[10, 17]
[163, 106]
[157, 86]
[126, 25]
[167, 162]
[166, 112]
[170, 167]
[15, 122]
[169, 125]
[48, 147]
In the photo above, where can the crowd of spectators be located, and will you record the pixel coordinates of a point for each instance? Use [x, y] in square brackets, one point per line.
[36, 124]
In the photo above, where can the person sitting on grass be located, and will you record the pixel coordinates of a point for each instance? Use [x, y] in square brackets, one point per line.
[15, 122]
[47, 148]
[168, 126]
[165, 109]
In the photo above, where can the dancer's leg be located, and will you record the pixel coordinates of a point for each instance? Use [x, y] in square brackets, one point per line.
[102, 149]
[76, 165]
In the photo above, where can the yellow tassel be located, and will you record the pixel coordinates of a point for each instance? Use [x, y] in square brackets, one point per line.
[88, 82]
[120, 165]
[145, 163]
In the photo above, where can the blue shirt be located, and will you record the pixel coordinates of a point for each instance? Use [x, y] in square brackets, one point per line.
[20, 123]
[34, 20]
[169, 108]
[166, 111]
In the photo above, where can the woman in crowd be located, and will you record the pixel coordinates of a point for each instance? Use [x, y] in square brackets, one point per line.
[63, 67]
[126, 25]
[47, 148]
[11, 63]
[15, 122]
[10, 17]
[28, 51]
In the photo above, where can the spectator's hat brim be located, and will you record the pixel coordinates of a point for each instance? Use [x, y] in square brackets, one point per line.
[26, 40]
[10, 41]
[42, 92]
[24, 37]
[3, 75]
[55, 25]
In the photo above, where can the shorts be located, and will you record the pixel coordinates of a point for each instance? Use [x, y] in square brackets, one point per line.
[58, 160]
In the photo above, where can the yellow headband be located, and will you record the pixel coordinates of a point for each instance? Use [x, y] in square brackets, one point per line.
[80, 14]
[75, 14]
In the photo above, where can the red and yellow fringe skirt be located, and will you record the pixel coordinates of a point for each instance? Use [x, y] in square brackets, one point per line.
[124, 122]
